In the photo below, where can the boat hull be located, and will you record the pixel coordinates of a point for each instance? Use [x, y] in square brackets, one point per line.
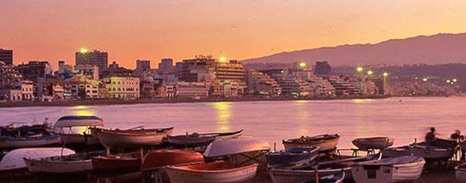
[292, 157]
[297, 176]
[29, 142]
[41, 166]
[202, 139]
[128, 139]
[161, 158]
[324, 145]
[373, 143]
[118, 162]
[388, 173]
[234, 175]
[78, 139]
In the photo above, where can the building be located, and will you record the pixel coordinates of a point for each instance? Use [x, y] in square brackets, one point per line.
[27, 90]
[322, 68]
[231, 72]
[272, 66]
[261, 84]
[193, 90]
[81, 87]
[6, 56]
[64, 68]
[166, 67]
[11, 94]
[91, 71]
[115, 70]
[142, 65]
[8, 76]
[100, 59]
[35, 69]
[190, 68]
[122, 87]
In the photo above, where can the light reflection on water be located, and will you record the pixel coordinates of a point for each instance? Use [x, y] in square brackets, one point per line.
[401, 118]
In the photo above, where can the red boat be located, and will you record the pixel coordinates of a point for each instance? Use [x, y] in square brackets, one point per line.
[123, 161]
[162, 158]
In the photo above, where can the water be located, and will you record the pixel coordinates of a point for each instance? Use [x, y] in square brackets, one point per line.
[401, 118]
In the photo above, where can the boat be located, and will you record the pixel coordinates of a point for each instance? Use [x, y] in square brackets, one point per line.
[117, 162]
[335, 178]
[297, 174]
[373, 143]
[69, 164]
[161, 158]
[227, 147]
[294, 156]
[21, 130]
[398, 169]
[214, 172]
[132, 138]
[201, 139]
[428, 152]
[325, 142]
[14, 160]
[460, 173]
[8, 142]
[75, 129]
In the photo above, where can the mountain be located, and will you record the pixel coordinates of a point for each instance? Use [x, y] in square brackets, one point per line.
[434, 49]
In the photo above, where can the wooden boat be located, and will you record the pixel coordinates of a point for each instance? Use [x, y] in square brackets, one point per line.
[226, 147]
[8, 142]
[132, 138]
[15, 159]
[335, 178]
[74, 163]
[21, 130]
[215, 172]
[201, 139]
[117, 162]
[460, 173]
[428, 152]
[326, 142]
[296, 174]
[161, 158]
[75, 129]
[294, 156]
[373, 143]
[398, 169]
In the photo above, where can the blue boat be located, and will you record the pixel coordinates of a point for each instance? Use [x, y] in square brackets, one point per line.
[293, 156]
[336, 178]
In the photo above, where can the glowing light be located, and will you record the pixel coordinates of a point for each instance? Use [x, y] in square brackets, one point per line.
[448, 81]
[385, 74]
[302, 64]
[223, 115]
[424, 79]
[359, 101]
[83, 50]
[369, 72]
[359, 69]
[222, 59]
[455, 80]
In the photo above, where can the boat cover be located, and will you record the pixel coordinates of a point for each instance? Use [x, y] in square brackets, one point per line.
[394, 161]
[70, 121]
[15, 159]
[226, 147]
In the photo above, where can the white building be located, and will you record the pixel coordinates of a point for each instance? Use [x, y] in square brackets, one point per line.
[190, 90]
[82, 87]
[122, 87]
[27, 90]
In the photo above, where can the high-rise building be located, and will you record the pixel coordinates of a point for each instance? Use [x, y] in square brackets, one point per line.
[98, 58]
[166, 66]
[64, 68]
[35, 69]
[322, 68]
[6, 56]
[142, 65]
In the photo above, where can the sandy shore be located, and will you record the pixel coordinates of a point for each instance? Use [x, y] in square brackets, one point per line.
[155, 101]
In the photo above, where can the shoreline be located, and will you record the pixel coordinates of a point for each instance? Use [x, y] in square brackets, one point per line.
[162, 101]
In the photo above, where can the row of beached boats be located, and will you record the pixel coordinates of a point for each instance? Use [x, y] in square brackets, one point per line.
[228, 157]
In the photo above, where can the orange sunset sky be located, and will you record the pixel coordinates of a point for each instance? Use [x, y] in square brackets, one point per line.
[238, 29]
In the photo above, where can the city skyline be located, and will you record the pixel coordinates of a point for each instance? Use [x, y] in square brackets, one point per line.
[149, 30]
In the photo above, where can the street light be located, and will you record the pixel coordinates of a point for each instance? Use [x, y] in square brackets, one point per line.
[359, 69]
[369, 72]
[424, 79]
[302, 64]
[385, 74]
[455, 80]
[448, 81]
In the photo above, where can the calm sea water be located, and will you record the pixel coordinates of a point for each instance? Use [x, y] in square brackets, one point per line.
[401, 118]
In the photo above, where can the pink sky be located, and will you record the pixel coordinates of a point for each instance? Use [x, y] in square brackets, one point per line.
[238, 29]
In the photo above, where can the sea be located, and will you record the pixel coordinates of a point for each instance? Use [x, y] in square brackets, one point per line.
[404, 119]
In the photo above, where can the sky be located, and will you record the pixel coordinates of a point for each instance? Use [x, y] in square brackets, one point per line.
[128, 30]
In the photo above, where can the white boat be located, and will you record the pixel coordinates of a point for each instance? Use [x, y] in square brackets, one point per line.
[398, 169]
[325, 142]
[426, 151]
[75, 129]
[132, 138]
[215, 172]
[460, 173]
[373, 143]
[15, 159]
[226, 147]
[7, 142]
[201, 139]
[297, 174]
[335, 178]
[74, 163]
